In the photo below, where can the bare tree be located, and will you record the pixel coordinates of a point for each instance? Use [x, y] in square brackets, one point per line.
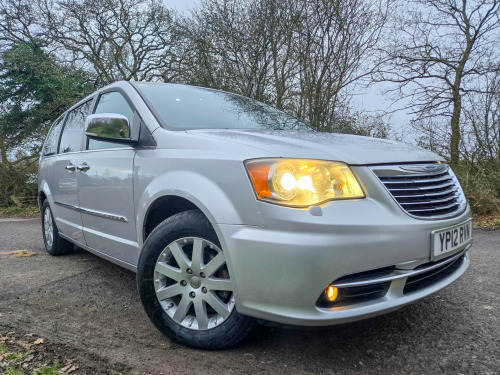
[298, 55]
[230, 46]
[437, 52]
[335, 41]
[121, 39]
[20, 22]
[282, 24]
[481, 141]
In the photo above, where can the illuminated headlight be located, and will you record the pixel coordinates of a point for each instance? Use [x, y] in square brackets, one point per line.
[302, 183]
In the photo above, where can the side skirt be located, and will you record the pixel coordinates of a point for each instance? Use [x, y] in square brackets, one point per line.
[111, 259]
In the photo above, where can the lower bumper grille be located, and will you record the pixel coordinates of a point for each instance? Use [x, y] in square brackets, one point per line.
[424, 280]
[374, 284]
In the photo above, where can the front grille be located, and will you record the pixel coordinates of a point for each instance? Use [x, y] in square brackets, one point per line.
[421, 192]
[423, 280]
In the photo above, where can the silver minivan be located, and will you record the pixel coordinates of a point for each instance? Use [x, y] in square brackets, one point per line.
[231, 210]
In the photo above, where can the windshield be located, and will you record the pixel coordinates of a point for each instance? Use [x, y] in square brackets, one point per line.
[181, 107]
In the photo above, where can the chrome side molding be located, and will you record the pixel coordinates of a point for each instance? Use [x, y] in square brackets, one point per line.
[105, 215]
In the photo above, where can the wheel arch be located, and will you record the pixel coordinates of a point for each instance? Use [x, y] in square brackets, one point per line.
[186, 190]
[161, 209]
[43, 194]
[41, 198]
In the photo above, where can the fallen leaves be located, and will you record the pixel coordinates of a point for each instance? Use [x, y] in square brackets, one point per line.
[486, 221]
[20, 253]
[69, 367]
[38, 342]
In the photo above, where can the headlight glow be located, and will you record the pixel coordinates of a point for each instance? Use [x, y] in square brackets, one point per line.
[283, 178]
[302, 182]
[288, 182]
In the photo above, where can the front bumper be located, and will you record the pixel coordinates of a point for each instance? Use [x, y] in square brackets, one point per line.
[279, 271]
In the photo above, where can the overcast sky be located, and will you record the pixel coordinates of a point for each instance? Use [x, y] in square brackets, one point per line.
[181, 4]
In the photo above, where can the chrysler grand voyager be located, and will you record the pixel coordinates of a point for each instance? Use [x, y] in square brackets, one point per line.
[230, 210]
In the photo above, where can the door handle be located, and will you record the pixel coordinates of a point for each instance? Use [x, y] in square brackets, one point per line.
[70, 167]
[84, 167]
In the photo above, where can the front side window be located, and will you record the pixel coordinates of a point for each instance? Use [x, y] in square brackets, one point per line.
[111, 102]
[71, 139]
[182, 107]
[50, 145]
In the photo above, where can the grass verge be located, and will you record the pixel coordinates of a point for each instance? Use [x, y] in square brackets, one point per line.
[20, 212]
[487, 221]
[18, 362]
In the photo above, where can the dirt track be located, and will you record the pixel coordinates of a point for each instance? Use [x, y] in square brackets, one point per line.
[88, 309]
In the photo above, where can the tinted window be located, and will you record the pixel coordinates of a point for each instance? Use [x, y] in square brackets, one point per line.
[186, 107]
[50, 146]
[111, 102]
[71, 139]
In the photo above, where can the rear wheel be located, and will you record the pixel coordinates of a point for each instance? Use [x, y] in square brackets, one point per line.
[185, 285]
[54, 244]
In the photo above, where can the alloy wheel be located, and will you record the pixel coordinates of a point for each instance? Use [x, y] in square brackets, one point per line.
[192, 283]
[48, 227]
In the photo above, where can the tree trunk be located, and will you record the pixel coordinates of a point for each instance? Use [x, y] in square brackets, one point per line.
[455, 129]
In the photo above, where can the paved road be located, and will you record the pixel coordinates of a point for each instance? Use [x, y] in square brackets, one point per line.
[89, 310]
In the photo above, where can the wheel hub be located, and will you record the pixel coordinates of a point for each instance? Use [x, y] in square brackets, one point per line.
[195, 282]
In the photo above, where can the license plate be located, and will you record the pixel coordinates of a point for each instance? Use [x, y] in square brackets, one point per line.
[447, 240]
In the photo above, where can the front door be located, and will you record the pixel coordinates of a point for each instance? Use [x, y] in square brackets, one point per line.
[106, 190]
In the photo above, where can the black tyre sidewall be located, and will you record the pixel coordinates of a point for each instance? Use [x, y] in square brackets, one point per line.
[185, 224]
[59, 245]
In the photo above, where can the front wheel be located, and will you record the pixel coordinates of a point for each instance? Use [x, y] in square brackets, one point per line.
[185, 286]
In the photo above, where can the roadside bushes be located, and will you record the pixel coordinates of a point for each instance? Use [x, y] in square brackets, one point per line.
[17, 180]
[481, 184]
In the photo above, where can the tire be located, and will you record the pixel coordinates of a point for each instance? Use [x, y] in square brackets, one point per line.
[185, 286]
[54, 244]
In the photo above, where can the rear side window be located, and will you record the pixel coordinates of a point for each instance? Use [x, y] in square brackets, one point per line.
[50, 145]
[111, 102]
[71, 139]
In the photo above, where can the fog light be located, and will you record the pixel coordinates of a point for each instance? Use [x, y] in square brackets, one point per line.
[331, 293]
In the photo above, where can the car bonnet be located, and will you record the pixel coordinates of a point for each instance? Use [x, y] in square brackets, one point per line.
[354, 150]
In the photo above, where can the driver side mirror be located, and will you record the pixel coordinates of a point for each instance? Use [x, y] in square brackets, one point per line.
[111, 127]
